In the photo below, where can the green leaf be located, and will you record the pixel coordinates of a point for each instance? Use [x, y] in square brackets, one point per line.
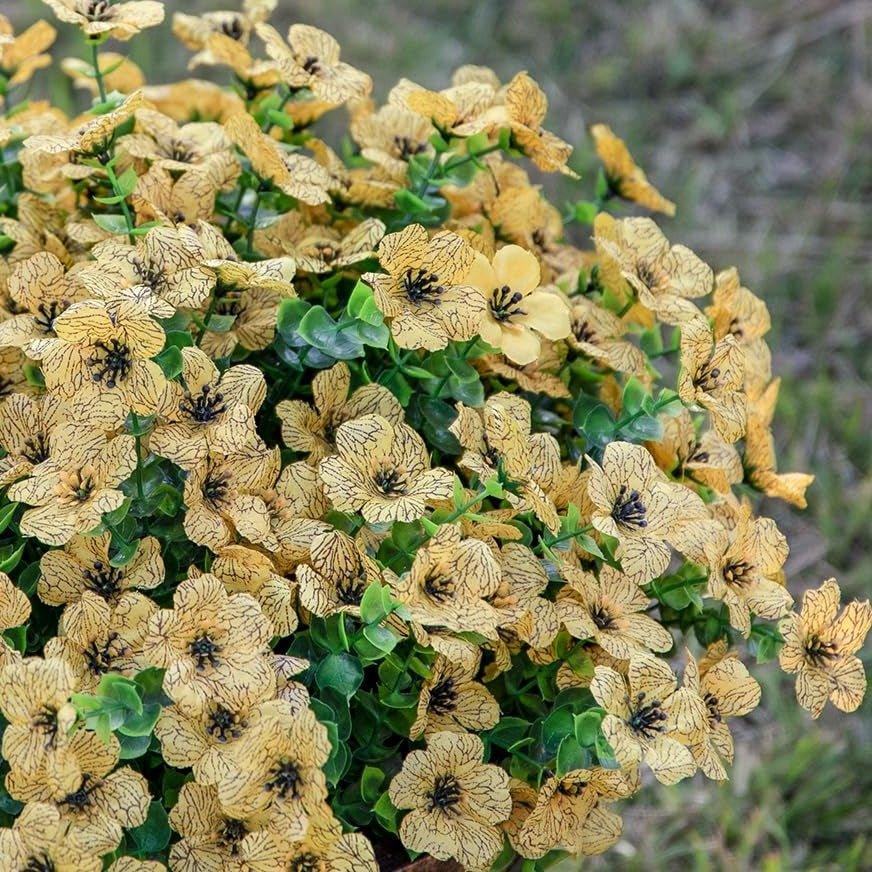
[382, 638]
[6, 514]
[409, 202]
[154, 834]
[386, 812]
[599, 425]
[589, 544]
[133, 746]
[9, 563]
[556, 726]
[371, 781]
[170, 361]
[280, 119]
[220, 323]
[361, 305]
[141, 724]
[289, 316]
[114, 224]
[571, 755]
[371, 610]
[508, 732]
[122, 690]
[122, 552]
[587, 727]
[583, 211]
[633, 396]
[179, 339]
[604, 753]
[340, 672]
[644, 428]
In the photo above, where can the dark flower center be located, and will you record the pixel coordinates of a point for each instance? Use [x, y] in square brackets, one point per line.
[390, 482]
[103, 579]
[204, 651]
[232, 28]
[629, 509]
[98, 10]
[82, 486]
[707, 378]
[647, 718]
[647, 274]
[350, 590]
[80, 799]
[602, 618]
[46, 314]
[180, 151]
[439, 587]
[446, 792]
[711, 702]
[738, 573]
[696, 454]
[422, 286]
[38, 863]
[229, 305]
[307, 862]
[215, 486]
[205, 407]
[286, 780]
[505, 304]
[224, 725]
[230, 834]
[407, 147]
[110, 363]
[571, 788]
[582, 331]
[443, 697]
[99, 658]
[151, 275]
[46, 722]
[819, 652]
[35, 448]
[736, 328]
[312, 65]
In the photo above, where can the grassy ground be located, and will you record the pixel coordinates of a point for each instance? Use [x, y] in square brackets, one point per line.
[756, 117]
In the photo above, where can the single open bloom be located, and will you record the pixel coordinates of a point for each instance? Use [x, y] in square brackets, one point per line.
[456, 801]
[820, 646]
[642, 711]
[383, 471]
[518, 311]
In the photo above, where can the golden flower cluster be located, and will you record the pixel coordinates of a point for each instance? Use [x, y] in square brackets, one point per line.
[346, 498]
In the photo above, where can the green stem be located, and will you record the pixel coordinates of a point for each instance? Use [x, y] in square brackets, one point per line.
[567, 536]
[98, 75]
[462, 510]
[627, 306]
[204, 325]
[459, 162]
[8, 178]
[624, 422]
[125, 209]
[252, 223]
[140, 491]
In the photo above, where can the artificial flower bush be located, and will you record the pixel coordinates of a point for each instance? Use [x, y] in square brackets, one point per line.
[358, 504]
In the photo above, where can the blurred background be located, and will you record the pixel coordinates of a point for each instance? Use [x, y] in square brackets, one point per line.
[756, 117]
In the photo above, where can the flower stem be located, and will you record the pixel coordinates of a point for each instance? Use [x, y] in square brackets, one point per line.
[137, 438]
[98, 75]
